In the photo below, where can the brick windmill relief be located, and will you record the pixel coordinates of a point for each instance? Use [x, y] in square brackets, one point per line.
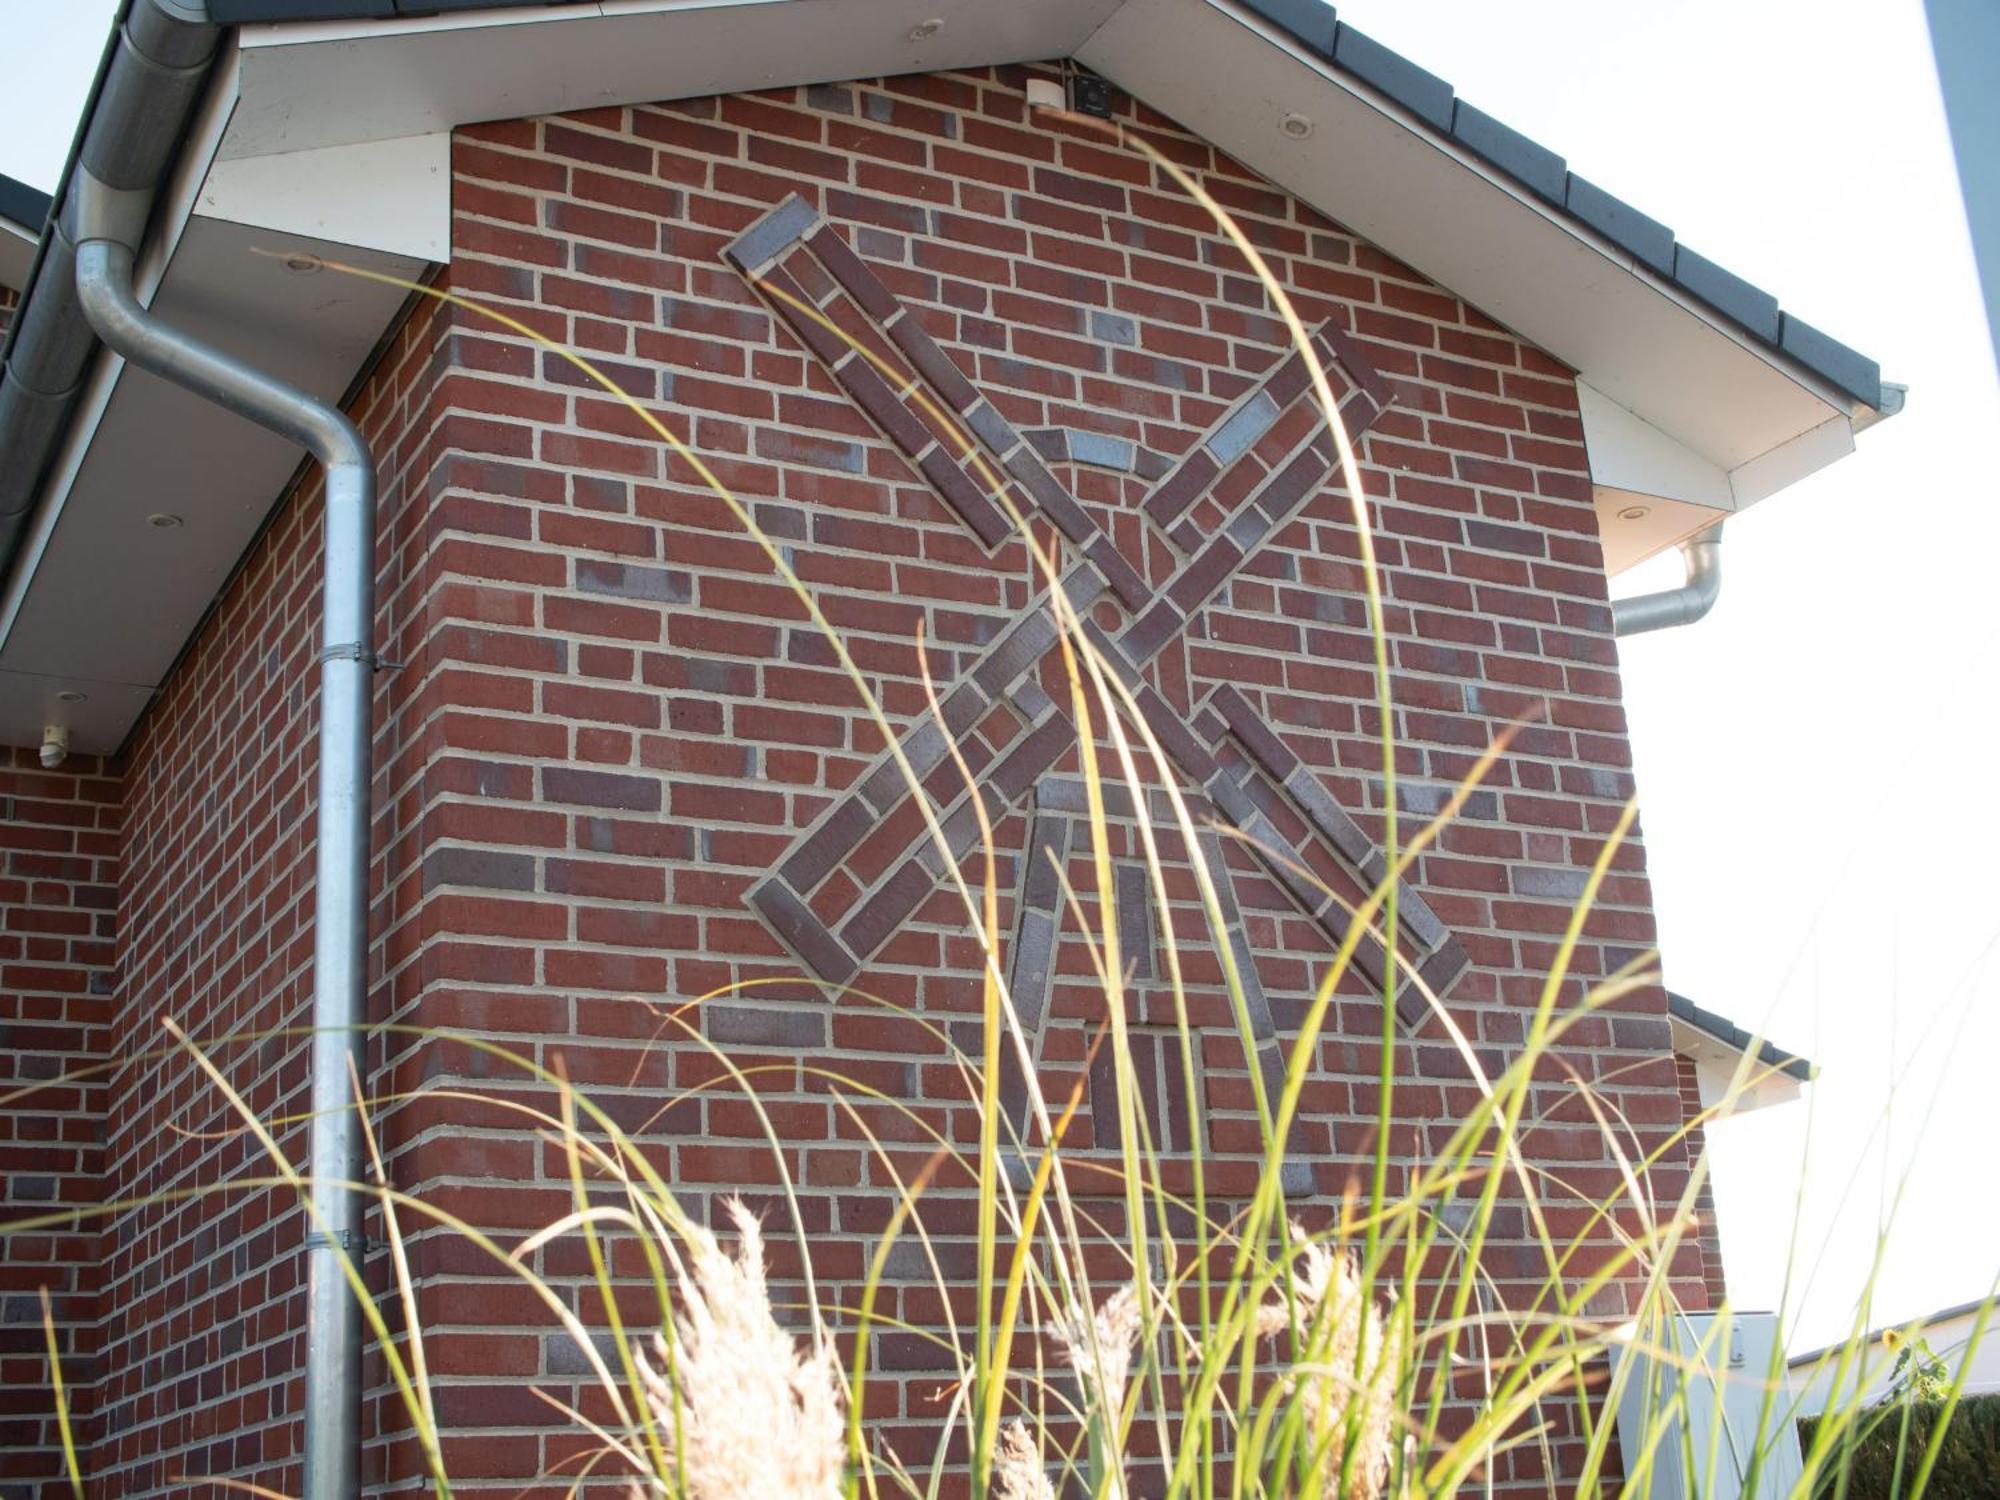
[849, 883]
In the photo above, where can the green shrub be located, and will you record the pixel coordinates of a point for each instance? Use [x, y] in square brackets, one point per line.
[1879, 1460]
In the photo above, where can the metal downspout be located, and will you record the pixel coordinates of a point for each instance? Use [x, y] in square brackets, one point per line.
[104, 258]
[1702, 553]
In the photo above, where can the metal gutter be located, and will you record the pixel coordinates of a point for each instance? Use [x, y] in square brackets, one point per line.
[34, 405]
[147, 91]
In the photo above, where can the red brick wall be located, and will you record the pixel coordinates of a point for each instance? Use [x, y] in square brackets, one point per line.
[58, 882]
[9, 300]
[1709, 1236]
[650, 725]
[612, 723]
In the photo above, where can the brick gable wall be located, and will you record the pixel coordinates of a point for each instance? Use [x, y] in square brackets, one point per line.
[654, 724]
[613, 723]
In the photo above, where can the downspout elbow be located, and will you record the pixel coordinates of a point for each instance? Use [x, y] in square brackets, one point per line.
[106, 221]
[104, 284]
[1702, 555]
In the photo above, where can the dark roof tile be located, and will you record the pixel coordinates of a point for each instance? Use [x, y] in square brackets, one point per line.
[1650, 242]
[1539, 169]
[1853, 372]
[1307, 21]
[1423, 94]
[1725, 291]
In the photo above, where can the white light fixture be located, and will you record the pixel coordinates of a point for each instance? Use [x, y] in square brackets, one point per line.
[1635, 512]
[1296, 125]
[55, 745]
[923, 31]
[71, 695]
[162, 520]
[1046, 93]
[303, 264]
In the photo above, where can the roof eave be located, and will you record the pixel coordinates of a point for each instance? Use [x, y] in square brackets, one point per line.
[1726, 1033]
[1683, 368]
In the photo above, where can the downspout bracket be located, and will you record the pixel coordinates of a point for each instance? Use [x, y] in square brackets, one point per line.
[357, 652]
[351, 1242]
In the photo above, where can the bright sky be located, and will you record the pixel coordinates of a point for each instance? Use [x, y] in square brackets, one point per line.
[1813, 757]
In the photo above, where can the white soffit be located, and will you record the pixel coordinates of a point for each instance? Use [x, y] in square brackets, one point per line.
[98, 715]
[312, 85]
[1651, 492]
[1629, 453]
[113, 597]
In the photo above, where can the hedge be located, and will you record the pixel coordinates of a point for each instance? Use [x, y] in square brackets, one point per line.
[1968, 1464]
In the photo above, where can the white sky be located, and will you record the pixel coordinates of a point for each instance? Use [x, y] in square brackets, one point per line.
[1815, 758]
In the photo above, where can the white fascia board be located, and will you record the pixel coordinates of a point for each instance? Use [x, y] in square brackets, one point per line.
[390, 195]
[1786, 463]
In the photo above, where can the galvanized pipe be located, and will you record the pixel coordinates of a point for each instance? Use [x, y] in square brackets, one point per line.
[340, 925]
[1702, 555]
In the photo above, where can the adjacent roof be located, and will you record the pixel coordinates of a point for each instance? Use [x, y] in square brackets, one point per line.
[1729, 1034]
[1874, 1335]
[23, 212]
[22, 205]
